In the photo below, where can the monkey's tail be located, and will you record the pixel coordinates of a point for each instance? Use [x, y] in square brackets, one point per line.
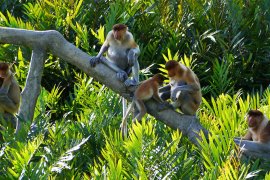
[123, 125]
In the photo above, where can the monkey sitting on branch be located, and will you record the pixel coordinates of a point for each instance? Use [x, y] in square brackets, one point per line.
[258, 127]
[256, 142]
[146, 90]
[122, 53]
[9, 94]
[184, 89]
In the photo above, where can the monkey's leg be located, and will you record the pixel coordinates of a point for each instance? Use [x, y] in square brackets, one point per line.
[188, 105]
[11, 119]
[7, 104]
[165, 88]
[135, 75]
[120, 74]
[6, 85]
[142, 109]
[248, 136]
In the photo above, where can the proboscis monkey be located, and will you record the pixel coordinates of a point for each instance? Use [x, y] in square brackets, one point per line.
[122, 53]
[148, 89]
[186, 97]
[258, 127]
[9, 94]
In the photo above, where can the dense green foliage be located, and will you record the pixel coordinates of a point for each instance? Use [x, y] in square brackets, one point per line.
[75, 129]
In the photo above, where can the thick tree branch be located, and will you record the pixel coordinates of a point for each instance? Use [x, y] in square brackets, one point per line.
[253, 148]
[32, 89]
[54, 42]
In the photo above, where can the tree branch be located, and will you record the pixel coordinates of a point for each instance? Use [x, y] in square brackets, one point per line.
[253, 149]
[54, 42]
[32, 88]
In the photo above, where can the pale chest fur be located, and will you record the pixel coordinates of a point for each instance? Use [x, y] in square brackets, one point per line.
[118, 52]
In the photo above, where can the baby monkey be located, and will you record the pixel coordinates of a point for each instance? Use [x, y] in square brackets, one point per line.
[145, 91]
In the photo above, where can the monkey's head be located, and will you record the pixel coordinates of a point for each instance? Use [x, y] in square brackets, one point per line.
[4, 69]
[119, 31]
[254, 118]
[174, 69]
[159, 78]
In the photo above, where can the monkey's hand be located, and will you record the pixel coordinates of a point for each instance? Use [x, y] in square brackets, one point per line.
[131, 82]
[121, 75]
[132, 58]
[95, 60]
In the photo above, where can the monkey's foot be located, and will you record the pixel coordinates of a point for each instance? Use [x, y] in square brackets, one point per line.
[121, 75]
[95, 60]
[130, 82]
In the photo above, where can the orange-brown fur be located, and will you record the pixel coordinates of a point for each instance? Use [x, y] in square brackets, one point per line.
[190, 94]
[146, 90]
[259, 127]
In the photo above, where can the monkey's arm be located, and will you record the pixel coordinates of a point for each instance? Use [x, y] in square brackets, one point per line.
[6, 84]
[133, 55]
[104, 48]
[165, 92]
[187, 88]
[165, 88]
[135, 75]
[8, 105]
[97, 59]
[134, 64]
[248, 136]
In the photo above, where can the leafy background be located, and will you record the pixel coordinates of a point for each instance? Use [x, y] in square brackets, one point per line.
[75, 135]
